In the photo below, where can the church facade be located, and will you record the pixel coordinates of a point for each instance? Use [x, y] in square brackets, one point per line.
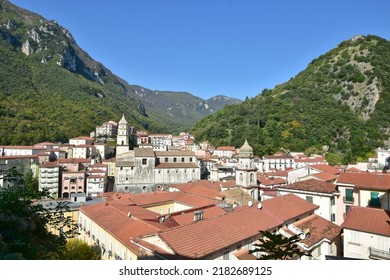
[145, 170]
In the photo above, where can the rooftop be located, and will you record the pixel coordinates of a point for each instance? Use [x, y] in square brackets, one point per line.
[371, 220]
[312, 185]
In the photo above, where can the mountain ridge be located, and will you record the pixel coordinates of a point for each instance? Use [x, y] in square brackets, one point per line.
[336, 107]
[43, 68]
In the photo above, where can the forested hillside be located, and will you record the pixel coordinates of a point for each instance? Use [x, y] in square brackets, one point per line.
[338, 105]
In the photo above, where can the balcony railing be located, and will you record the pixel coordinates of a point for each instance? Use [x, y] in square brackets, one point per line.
[348, 199]
[379, 254]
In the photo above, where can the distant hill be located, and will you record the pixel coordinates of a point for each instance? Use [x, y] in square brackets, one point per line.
[338, 105]
[169, 106]
[51, 89]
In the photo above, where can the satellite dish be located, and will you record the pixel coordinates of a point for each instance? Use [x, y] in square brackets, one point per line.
[259, 205]
[250, 203]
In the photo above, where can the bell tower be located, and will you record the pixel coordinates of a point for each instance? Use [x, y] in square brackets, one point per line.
[122, 140]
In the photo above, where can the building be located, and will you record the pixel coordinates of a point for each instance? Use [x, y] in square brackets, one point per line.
[152, 225]
[161, 142]
[225, 151]
[81, 140]
[246, 172]
[322, 172]
[383, 158]
[279, 161]
[114, 224]
[109, 128]
[319, 237]
[73, 182]
[49, 178]
[362, 189]
[145, 170]
[366, 233]
[320, 193]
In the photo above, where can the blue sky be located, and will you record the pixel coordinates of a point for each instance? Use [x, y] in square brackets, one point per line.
[210, 47]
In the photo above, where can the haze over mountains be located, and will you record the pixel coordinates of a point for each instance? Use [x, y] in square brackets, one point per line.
[51, 89]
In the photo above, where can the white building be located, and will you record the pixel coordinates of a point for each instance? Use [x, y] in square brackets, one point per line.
[367, 233]
[320, 193]
[49, 177]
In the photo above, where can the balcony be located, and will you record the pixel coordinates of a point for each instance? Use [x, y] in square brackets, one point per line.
[379, 254]
[348, 199]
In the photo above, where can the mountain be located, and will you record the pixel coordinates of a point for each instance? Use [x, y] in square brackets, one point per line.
[51, 89]
[338, 106]
[169, 106]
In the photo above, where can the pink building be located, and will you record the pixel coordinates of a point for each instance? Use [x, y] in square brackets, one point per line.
[72, 182]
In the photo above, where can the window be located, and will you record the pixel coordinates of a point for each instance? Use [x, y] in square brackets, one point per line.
[174, 159]
[190, 159]
[354, 237]
[333, 217]
[182, 159]
[144, 161]
[375, 200]
[309, 198]
[166, 159]
[348, 195]
[333, 200]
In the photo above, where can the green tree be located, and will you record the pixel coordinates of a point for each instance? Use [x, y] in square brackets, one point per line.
[278, 247]
[24, 224]
[77, 249]
[31, 182]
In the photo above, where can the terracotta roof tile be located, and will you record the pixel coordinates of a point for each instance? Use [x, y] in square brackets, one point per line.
[293, 206]
[221, 232]
[373, 181]
[320, 228]
[370, 220]
[326, 168]
[325, 176]
[188, 217]
[312, 185]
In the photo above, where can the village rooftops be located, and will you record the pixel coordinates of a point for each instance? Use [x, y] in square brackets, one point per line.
[207, 236]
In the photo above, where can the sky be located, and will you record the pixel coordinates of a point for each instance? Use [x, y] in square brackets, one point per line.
[235, 48]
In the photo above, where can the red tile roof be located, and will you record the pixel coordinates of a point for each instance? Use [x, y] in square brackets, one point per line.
[326, 168]
[371, 220]
[148, 199]
[267, 181]
[372, 181]
[207, 236]
[319, 227]
[325, 176]
[293, 206]
[115, 220]
[188, 217]
[312, 185]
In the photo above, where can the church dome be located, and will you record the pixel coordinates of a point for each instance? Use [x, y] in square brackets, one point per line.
[123, 120]
[246, 150]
